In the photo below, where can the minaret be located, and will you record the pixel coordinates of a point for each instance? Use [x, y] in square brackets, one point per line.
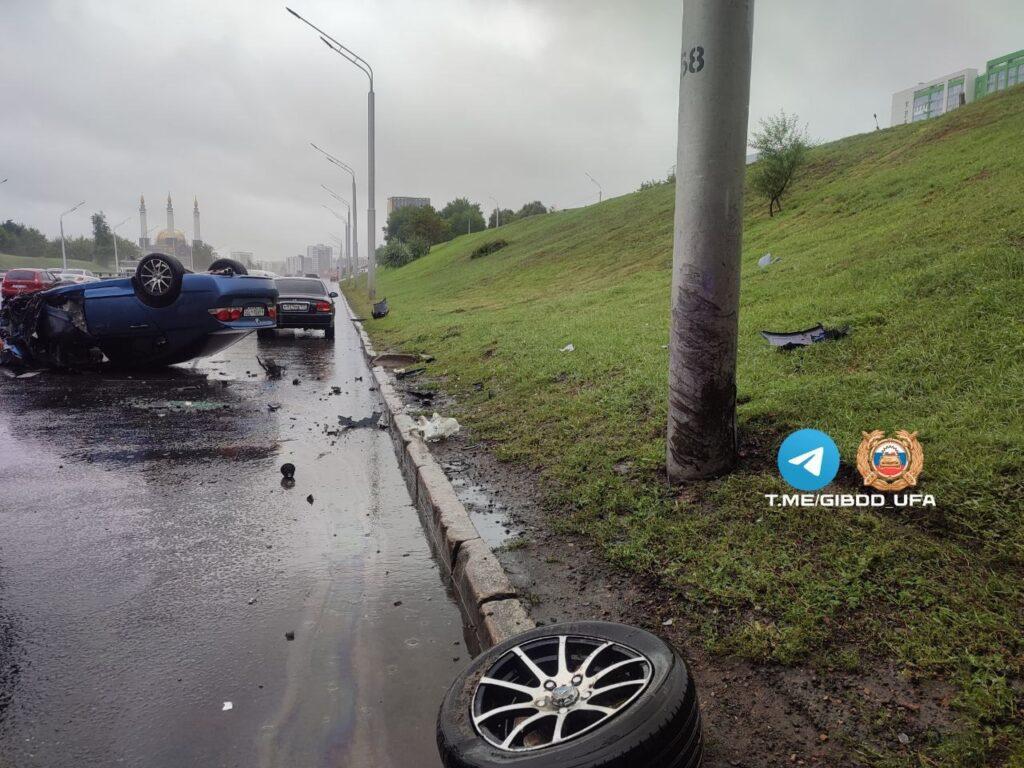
[143, 230]
[196, 237]
[170, 216]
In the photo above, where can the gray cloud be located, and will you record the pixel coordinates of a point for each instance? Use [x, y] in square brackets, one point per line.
[107, 99]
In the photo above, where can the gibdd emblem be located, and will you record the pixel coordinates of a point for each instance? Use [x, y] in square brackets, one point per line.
[890, 463]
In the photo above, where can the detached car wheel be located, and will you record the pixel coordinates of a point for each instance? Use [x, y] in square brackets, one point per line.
[576, 695]
[236, 267]
[157, 280]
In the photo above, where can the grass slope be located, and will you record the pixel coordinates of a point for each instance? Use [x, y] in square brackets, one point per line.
[8, 261]
[913, 236]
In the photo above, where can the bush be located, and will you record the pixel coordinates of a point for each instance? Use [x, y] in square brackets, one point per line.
[398, 253]
[488, 247]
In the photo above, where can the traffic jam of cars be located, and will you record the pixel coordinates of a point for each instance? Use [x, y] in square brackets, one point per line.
[162, 315]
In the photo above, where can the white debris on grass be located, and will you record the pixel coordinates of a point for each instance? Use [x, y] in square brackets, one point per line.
[437, 427]
[568, 348]
[227, 705]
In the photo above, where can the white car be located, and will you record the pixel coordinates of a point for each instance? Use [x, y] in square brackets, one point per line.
[75, 275]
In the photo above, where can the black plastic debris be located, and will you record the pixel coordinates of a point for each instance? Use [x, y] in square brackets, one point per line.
[288, 470]
[804, 338]
[289, 635]
[273, 369]
[309, 498]
[380, 309]
[408, 373]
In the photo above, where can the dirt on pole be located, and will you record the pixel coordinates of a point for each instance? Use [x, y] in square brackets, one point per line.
[714, 101]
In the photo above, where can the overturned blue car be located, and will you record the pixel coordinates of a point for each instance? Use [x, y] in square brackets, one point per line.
[162, 315]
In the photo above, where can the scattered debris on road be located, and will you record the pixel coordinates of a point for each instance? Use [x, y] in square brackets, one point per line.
[309, 499]
[814, 335]
[347, 422]
[288, 470]
[437, 427]
[273, 407]
[296, 381]
[273, 368]
[227, 706]
[289, 635]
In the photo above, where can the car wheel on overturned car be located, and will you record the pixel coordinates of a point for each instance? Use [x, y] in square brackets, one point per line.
[221, 265]
[583, 694]
[157, 280]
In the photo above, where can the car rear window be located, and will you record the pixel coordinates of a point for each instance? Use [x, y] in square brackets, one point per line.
[21, 274]
[299, 285]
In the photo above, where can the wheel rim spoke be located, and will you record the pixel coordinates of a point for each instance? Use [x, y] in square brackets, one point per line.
[512, 725]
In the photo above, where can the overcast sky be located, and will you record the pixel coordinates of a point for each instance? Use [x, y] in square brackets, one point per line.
[105, 99]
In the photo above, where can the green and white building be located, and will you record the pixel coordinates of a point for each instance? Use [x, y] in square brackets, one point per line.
[944, 94]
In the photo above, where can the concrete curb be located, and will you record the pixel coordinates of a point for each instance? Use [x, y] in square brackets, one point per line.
[489, 602]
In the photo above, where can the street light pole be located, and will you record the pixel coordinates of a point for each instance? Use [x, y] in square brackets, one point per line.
[355, 202]
[714, 105]
[600, 192]
[371, 215]
[63, 250]
[497, 212]
[113, 231]
[348, 226]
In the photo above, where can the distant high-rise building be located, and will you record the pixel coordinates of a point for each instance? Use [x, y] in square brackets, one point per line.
[318, 259]
[394, 203]
[244, 257]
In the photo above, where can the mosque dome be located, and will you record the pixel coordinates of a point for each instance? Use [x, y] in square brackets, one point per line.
[170, 235]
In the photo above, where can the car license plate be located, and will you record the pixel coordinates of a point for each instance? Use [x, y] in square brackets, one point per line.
[294, 307]
[254, 311]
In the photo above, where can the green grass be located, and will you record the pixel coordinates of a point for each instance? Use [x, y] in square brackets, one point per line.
[913, 236]
[8, 261]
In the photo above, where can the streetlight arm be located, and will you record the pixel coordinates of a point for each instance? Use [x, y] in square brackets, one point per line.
[352, 56]
[336, 196]
[333, 159]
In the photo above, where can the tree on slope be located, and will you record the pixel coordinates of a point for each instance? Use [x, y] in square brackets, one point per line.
[782, 147]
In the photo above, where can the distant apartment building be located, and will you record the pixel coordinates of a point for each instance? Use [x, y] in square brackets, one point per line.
[394, 203]
[294, 265]
[319, 259]
[247, 258]
[936, 97]
[944, 94]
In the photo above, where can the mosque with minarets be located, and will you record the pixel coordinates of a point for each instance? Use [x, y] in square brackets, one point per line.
[170, 240]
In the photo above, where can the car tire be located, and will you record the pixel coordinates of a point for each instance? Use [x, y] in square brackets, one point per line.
[264, 333]
[236, 267]
[329, 333]
[158, 278]
[656, 723]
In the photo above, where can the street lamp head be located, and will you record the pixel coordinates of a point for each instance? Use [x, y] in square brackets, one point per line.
[293, 13]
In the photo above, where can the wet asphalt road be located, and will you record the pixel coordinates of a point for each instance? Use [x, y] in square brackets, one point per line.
[151, 564]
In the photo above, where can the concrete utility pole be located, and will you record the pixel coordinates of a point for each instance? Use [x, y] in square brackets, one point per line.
[371, 215]
[714, 102]
[63, 251]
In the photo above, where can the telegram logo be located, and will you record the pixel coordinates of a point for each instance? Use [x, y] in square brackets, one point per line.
[808, 459]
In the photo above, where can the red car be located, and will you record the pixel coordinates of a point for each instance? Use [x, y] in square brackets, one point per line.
[26, 281]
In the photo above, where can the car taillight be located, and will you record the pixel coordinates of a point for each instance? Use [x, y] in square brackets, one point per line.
[323, 306]
[272, 312]
[227, 314]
